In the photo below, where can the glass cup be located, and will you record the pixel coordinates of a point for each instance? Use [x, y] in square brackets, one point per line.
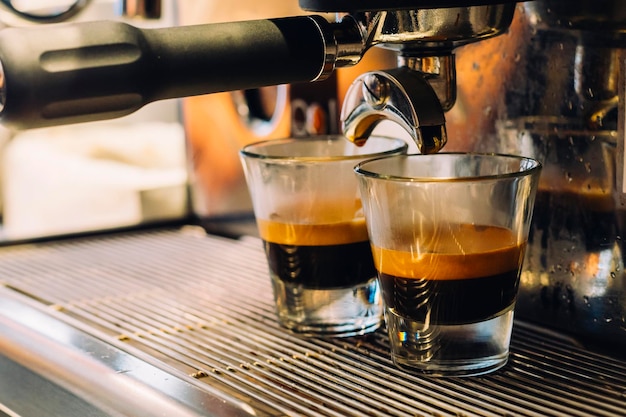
[448, 234]
[308, 211]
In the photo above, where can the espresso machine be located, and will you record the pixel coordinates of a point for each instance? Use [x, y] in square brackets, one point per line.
[563, 104]
[560, 99]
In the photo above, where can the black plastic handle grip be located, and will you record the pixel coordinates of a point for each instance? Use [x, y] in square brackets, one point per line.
[70, 73]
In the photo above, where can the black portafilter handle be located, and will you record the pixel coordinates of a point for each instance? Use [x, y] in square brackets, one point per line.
[70, 73]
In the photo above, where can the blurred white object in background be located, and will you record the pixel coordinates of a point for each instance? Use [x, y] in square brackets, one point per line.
[100, 175]
[89, 177]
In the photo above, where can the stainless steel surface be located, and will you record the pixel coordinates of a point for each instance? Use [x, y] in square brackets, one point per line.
[560, 105]
[573, 275]
[50, 398]
[66, 372]
[429, 31]
[417, 97]
[199, 309]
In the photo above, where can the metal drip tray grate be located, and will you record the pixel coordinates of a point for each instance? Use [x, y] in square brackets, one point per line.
[201, 307]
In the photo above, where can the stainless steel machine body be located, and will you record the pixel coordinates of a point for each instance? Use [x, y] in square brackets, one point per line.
[563, 104]
[561, 99]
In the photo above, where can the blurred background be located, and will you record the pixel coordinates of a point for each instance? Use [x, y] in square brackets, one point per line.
[93, 176]
[172, 160]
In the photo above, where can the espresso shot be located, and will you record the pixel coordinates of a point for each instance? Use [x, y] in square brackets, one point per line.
[321, 267]
[310, 219]
[323, 256]
[438, 286]
[449, 234]
[316, 268]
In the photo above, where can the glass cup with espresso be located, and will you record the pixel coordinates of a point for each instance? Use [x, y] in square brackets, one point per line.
[308, 212]
[448, 233]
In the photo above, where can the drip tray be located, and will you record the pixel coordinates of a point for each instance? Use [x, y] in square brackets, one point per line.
[197, 310]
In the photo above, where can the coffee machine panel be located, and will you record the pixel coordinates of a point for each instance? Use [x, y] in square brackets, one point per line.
[562, 103]
[540, 78]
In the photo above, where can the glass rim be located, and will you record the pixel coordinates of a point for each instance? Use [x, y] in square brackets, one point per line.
[533, 167]
[247, 149]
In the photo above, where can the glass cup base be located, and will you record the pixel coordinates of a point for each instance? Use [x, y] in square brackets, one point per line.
[335, 312]
[450, 350]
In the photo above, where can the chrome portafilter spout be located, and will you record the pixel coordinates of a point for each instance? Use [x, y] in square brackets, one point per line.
[417, 93]
[401, 95]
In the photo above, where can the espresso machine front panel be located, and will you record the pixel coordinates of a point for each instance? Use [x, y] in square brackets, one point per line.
[562, 104]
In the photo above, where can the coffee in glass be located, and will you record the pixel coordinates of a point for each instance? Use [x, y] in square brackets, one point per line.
[448, 234]
[308, 211]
